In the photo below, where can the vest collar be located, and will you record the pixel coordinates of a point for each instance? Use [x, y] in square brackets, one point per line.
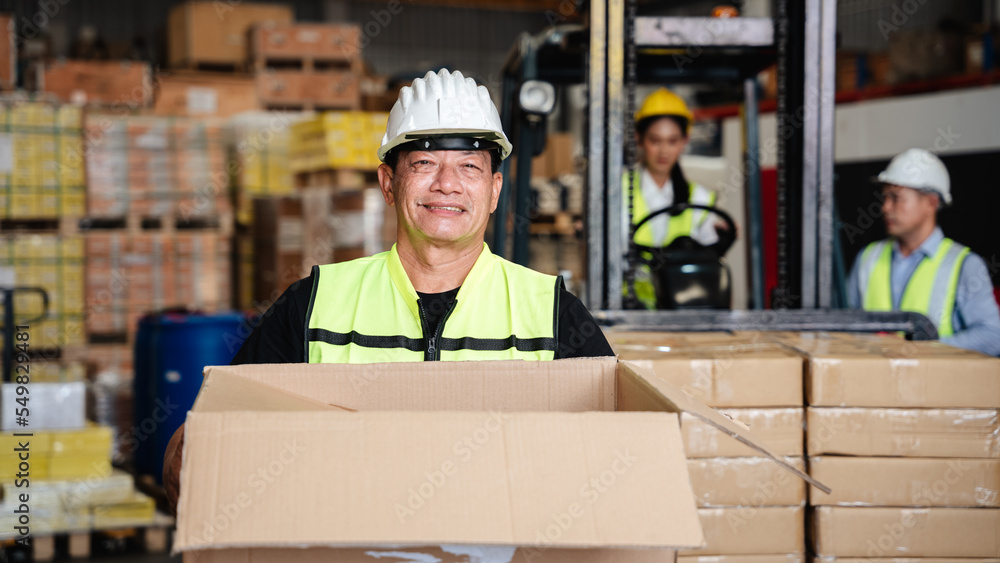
[928, 248]
[405, 288]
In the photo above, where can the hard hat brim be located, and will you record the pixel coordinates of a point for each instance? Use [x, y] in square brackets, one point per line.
[501, 139]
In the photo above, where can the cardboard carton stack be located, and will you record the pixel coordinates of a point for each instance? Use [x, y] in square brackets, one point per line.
[748, 506]
[131, 275]
[118, 84]
[155, 167]
[54, 263]
[210, 35]
[43, 175]
[570, 460]
[307, 66]
[906, 435]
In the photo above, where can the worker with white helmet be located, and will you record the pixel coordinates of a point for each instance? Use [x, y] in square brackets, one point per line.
[439, 293]
[662, 126]
[918, 269]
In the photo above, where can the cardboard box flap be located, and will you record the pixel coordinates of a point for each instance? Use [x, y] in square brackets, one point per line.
[222, 391]
[579, 385]
[682, 402]
[606, 479]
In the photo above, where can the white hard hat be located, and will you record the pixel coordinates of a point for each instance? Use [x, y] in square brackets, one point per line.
[444, 105]
[918, 169]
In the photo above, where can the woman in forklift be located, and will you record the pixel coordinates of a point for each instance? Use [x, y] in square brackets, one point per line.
[662, 126]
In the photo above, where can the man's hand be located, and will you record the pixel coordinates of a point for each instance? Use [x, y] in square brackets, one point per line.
[172, 468]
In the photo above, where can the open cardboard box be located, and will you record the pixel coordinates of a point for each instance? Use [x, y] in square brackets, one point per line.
[569, 460]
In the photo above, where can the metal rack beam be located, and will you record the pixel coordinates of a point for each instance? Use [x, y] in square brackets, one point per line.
[916, 326]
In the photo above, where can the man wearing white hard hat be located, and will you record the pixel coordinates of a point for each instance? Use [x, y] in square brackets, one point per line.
[918, 269]
[439, 293]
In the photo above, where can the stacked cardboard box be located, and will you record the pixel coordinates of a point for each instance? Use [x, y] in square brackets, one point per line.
[337, 139]
[575, 459]
[119, 84]
[211, 34]
[307, 65]
[8, 52]
[155, 166]
[905, 433]
[748, 505]
[43, 175]
[131, 275]
[204, 94]
[54, 263]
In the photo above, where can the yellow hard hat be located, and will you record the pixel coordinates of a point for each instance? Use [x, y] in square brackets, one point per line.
[664, 102]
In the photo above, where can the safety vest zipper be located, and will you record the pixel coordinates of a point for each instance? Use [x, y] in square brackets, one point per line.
[432, 352]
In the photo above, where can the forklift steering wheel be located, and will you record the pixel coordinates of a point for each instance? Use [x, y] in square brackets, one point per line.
[726, 238]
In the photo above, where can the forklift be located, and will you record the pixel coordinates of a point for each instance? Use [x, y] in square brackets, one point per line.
[611, 50]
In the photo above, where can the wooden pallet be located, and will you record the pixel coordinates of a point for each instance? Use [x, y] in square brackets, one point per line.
[306, 46]
[171, 223]
[306, 90]
[308, 64]
[145, 537]
[562, 223]
[60, 225]
[344, 179]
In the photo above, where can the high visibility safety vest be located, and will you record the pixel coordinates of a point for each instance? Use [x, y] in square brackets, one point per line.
[366, 311]
[682, 224]
[930, 290]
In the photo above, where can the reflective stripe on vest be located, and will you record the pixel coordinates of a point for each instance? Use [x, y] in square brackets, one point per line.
[682, 224]
[930, 291]
[366, 311]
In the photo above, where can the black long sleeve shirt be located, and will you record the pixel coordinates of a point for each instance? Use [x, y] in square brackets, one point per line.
[279, 336]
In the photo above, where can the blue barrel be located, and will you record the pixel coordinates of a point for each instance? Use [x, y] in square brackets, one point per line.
[171, 350]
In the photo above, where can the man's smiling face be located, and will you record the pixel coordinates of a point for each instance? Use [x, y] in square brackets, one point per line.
[443, 196]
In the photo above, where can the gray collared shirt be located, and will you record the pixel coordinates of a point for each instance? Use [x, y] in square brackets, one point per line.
[976, 318]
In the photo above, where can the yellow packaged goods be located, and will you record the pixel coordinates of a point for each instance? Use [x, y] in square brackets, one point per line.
[337, 139]
[259, 143]
[741, 375]
[71, 494]
[750, 530]
[896, 481]
[781, 429]
[745, 481]
[44, 178]
[54, 263]
[135, 509]
[876, 532]
[547, 432]
[94, 438]
[972, 433]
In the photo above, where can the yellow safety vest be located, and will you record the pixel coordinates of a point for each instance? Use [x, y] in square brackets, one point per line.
[366, 311]
[930, 291]
[682, 224]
